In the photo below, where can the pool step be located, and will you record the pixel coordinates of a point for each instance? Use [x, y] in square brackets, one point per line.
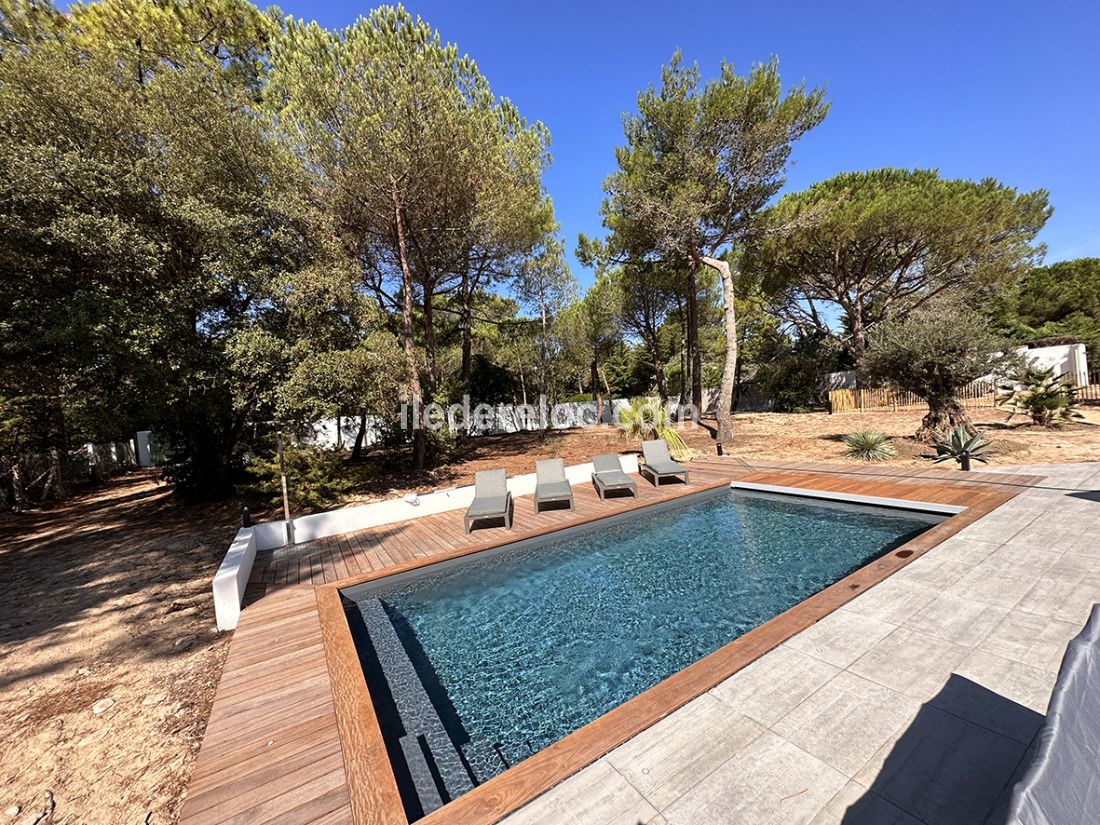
[426, 744]
[484, 759]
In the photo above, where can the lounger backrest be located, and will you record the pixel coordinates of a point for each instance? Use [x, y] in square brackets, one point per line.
[1061, 781]
[490, 483]
[656, 452]
[607, 463]
[550, 469]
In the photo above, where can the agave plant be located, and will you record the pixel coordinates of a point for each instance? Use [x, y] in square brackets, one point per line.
[1047, 399]
[868, 445]
[646, 419]
[962, 447]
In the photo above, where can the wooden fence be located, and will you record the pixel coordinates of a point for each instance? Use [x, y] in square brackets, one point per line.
[882, 399]
[1092, 391]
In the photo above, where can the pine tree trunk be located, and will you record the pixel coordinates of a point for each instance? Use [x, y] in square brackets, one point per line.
[429, 346]
[723, 411]
[694, 356]
[20, 501]
[360, 437]
[597, 396]
[466, 323]
[420, 436]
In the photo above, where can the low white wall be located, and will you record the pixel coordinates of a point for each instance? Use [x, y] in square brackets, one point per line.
[504, 418]
[232, 578]
[233, 575]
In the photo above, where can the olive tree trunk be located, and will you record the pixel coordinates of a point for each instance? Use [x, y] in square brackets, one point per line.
[944, 415]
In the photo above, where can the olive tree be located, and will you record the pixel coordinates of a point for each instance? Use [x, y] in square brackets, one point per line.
[934, 352]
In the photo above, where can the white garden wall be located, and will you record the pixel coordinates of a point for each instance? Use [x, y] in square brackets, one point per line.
[1064, 359]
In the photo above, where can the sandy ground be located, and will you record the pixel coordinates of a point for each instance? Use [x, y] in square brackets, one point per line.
[108, 653]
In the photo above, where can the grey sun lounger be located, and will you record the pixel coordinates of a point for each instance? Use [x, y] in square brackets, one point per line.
[658, 464]
[551, 484]
[491, 498]
[608, 476]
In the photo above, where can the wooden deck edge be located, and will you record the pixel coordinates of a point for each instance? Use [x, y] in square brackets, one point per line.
[372, 787]
[375, 799]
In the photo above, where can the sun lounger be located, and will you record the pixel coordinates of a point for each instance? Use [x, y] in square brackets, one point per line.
[658, 464]
[551, 484]
[491, 498]
[608, 476]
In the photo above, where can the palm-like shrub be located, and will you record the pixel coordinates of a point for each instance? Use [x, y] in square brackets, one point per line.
[962, 447]
[646, 419]
[868, 445]
[1047, 399]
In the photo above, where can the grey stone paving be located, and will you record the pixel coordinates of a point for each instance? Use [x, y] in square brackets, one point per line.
[912, 705]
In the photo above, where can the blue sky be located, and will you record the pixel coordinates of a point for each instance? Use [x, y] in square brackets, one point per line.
[1004, 89]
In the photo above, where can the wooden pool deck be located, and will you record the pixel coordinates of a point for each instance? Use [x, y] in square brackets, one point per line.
[289, 738]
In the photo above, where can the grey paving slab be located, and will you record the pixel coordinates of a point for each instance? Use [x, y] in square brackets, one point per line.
[1036, 640]
[774, 684]
[684, 748]
[891, 601]
[856, 805]
[598, 795]
[846, 721]
[911, 663]
[1000, 582]
[967, 551]
[933, 572]
[841, 637]
[943, 769]
[976, 703]
[1022, 683]
[770, 782]
[1061, 599]
[956, 619]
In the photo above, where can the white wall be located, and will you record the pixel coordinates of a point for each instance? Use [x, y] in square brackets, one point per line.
[505, 418]
[1064, 359]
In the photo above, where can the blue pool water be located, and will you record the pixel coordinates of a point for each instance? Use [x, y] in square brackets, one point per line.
[528, 645]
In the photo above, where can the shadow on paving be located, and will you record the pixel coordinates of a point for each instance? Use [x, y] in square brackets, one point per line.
[125, 546]
[1087, 495]
[955, 764]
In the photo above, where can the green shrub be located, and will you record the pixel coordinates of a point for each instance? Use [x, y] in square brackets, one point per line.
[315, 478]
[645, 419]
[868, 445]
[1045, 398]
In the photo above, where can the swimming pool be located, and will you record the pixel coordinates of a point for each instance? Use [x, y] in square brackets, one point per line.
[475, 665]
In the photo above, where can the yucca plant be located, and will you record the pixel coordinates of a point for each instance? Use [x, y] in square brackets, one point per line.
[646, 419]
[962, 447]
[1047, 399]
[868, 445]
